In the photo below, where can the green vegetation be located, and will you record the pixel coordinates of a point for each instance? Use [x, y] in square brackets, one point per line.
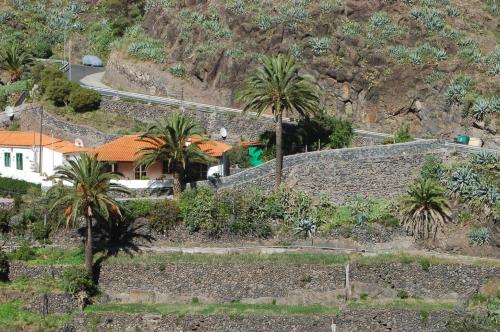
[278, 85]
[37, 286]
[406, 303]
[76, 279]
[13, 317]
[10, 186]
[425, 209]
[14, 61]
[89, 196]
[402, 135]
[214, 309]
[167, 139]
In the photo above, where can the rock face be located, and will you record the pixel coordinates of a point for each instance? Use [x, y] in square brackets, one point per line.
[348, 46]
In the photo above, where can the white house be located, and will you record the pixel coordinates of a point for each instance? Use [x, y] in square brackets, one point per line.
[20, 155]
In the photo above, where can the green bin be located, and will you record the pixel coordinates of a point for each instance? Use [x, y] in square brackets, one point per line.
[462, 139]
[255, 153]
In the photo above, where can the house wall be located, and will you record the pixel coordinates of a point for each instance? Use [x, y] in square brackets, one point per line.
[127, 169]
[28, 173]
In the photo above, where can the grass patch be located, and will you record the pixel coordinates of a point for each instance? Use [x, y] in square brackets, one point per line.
[13, 317]
[409, 304]
[26, 285]
[214, 309]
[56, 256]
[292, 258]
[106, 122]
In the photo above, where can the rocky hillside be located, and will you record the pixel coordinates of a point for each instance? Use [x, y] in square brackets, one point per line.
[432, 63]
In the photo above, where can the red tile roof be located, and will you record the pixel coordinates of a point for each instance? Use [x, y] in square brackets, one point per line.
[31, 138]
[127, 148]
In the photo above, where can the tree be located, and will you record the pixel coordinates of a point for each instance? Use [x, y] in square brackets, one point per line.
[278, 86]
[425, 209]
[14, 61]
[169, 140]
[90, 195]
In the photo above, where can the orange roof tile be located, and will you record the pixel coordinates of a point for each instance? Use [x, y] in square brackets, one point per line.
[251, 143]
[127, 148]
[31, 138]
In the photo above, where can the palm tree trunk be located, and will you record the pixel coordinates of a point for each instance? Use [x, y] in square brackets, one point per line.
[279, 150]
[178, 183]
[88, 247]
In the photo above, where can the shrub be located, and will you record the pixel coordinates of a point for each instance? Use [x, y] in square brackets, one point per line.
[139, 208]
[239, 156]
[46, 75]
[432, 168]
[178, 70]
[40, 231]
[164, 215]
[479, 236]
[402, 135]
[41, 47]
[14, 187]
[425, 264]
[402, 294]
[76, 279]
[84, 100]
[59, 90]
[24, 252]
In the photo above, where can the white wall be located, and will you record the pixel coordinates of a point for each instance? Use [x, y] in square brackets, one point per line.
[50, 160]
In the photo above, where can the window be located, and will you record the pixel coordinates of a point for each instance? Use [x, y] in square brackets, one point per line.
[140, 172]
[112, 167]
[19, 161]
[6, 157]
[165, 169]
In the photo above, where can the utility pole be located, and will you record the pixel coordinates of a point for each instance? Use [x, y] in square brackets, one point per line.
[40, 152]
[69, 60]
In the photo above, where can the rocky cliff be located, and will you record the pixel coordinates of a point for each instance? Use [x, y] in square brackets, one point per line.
[380, 63]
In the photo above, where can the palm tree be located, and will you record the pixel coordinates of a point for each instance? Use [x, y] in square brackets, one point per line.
[278, 86]
[14, 60]
[90, 195]
[425, 209]
[170, 142]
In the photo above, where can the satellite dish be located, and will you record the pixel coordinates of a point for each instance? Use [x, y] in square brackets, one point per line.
[9, 110]
[79, 143]
[223, 133]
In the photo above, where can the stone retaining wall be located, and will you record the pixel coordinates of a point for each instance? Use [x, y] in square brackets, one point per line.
[383, 171]
[20, 269]
[52, 125]
[348, 320]
[238, 126]
[285, 283]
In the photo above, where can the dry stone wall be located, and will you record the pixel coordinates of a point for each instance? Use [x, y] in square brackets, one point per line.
[383, 171]
[285, 283]
[348, 320]
[30, 120]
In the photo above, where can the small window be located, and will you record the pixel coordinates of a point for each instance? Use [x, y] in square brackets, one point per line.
[6, 157]
[19, 161]
[165, 169]
[111, 167]
[140, 172]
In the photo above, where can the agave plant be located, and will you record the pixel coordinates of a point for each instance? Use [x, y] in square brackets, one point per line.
[484, 157]
[307, 228]
[481, 107]
[462, 180]
[479, 236]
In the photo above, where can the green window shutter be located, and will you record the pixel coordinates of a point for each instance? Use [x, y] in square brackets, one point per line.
[6, 157]
[19, 161]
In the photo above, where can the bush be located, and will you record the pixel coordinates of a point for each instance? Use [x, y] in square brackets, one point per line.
[46, 75]
[4, 220]
[140, 208]
[402, 294]
[39, 231]
[75, 279]
[479, 236]
[425, 264]
[432, 168]
[402, 135]
[164, 215]
[4, 266]
[24, 252]
[84, 100]
[239, 156]
[59, 90]
[41, 47]
[178, 70]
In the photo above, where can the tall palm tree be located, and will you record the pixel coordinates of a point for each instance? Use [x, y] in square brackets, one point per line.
[90, 195]
[278, 86]
[169, 142]
[15, 60]
[425, 209]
